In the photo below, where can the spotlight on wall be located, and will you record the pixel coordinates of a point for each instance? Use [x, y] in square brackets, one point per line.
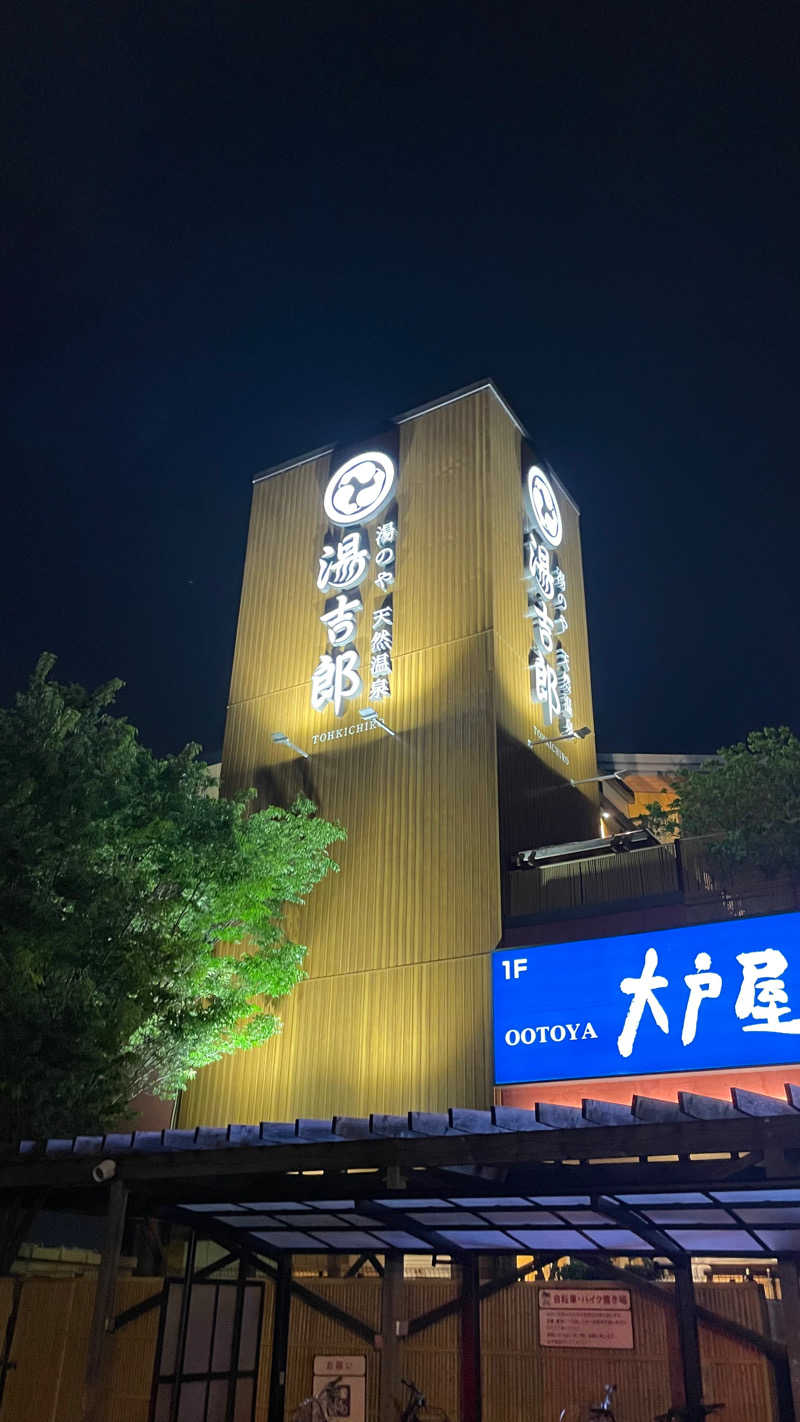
[578, 735]
[280, 739]
[370, 715]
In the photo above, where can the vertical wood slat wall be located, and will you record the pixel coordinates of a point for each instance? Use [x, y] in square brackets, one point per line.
[520, 1379]
[50, 1345]
[535, 808]
[396, 1010]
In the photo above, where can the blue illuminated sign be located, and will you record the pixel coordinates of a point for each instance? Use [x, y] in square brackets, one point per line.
[683, 999]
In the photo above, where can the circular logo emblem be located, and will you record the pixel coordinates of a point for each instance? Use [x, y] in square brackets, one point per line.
[359, 489]
[545, 506]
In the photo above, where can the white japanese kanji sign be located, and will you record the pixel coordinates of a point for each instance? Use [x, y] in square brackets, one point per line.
[340, 1385]
[335, 679]
[551, 680]
[358, 492]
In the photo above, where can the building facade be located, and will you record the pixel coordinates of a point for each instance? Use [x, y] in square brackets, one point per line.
[412, 655]
[447, 604]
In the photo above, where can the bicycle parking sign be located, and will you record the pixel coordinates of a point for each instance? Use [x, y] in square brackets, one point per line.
[595, 1317]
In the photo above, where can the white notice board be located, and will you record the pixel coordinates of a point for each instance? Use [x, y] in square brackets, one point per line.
[349, 1398]
[596, 1317]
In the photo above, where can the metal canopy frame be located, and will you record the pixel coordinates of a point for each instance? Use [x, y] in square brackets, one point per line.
[749, 1223]
[659, 1179]
[696, 1143]
[694, 1176]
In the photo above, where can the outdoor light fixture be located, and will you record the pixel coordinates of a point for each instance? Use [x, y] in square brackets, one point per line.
[280, 739]
[615, 776]
[370, 715]
[617, 779]
[578, 735]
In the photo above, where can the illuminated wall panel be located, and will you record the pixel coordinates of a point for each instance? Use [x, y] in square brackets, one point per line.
[418, 874]
[391, 1036]
[532, 810]
[396, 1010]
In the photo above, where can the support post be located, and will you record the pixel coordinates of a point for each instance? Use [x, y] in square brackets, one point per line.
[282, 1304]
[183, 1320]
[391, 1301]
[470, 1340]
[236, 1341]
[11, 1324]
[688, 1338]
[103, 1311]
[790, 1304]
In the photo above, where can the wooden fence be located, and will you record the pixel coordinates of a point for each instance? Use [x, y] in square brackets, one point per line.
[520, 1378]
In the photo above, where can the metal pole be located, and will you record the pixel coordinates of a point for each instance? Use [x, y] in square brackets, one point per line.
[688, 1338]
[11, 1324]
[282, 1303]
[391, 1297]
[183, 1320]
[790, 1304]
[103, 1312]
[681, 877]
[470, 1341]
[163, 1299]
[236, 1341]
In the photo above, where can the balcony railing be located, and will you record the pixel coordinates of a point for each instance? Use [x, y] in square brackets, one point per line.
[682, 872]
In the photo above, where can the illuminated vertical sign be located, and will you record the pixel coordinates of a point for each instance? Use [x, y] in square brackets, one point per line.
[358, 492]
[551, 679]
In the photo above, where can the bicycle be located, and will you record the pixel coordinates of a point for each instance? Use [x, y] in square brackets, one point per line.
[332, 1400]
[602, 1409]
[413, 1410]
[673, 1414]
[682, 1414]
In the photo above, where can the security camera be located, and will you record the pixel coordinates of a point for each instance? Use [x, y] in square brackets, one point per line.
[106, 1170]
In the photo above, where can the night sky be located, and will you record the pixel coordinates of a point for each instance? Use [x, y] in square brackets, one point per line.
[233, 232]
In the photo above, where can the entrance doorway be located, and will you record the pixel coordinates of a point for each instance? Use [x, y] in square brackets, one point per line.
[208, 1351]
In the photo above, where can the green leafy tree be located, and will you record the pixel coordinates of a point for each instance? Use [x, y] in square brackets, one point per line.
[747, 797]
[141, 918]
